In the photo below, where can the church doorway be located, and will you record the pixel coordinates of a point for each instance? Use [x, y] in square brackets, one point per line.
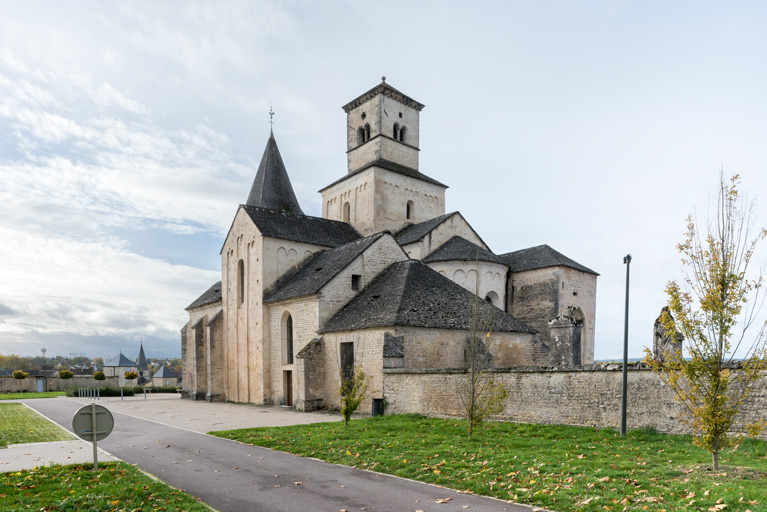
[287, 383]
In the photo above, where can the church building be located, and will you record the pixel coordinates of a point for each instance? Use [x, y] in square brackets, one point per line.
[384, 279]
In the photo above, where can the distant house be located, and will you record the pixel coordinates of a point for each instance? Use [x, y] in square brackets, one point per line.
[164, 377]
[117, 366]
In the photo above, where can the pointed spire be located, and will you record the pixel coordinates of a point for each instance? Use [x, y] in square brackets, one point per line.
[271, 188]
[142, 364]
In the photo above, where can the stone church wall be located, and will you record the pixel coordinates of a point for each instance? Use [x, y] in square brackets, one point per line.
[304, 313]
[456, 225]
[587, 396]
[580, 290]
[492, 278]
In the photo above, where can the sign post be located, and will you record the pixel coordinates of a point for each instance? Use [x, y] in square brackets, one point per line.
[93, 423]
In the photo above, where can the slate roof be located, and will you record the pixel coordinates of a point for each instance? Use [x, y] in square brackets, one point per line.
[541, 256]
[271, 187]
[301, 228]
[415, 232]
[386, 90]
[318, 271]
[458, 248]
[119, 360]
[164, 373]
[142, 364]
[391, 166]
[409, 293]
[211, 295]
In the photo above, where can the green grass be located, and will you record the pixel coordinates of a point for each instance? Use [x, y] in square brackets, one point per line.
[19, 424]
[115, 486]
[19, 396]
[556, 467]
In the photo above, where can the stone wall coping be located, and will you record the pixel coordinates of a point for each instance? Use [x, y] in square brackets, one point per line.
[596, 367]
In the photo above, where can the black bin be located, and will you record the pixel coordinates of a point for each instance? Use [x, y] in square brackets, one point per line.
[378, 407]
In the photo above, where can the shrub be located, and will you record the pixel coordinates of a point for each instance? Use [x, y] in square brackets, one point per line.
[73, 391]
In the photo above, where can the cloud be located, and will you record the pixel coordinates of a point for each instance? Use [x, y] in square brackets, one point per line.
[56, 284]
[6, 311]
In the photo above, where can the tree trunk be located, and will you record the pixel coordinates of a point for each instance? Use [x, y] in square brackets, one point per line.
[715, 459]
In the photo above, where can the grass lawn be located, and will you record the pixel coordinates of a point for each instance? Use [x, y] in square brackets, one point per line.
[115, 486]
[557, 467]
[19, 424]
[19, 396]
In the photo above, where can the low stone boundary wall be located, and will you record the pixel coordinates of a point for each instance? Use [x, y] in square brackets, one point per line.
[29, 385]
[584, 395]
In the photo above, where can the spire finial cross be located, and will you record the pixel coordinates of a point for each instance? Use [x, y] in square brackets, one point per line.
[271, 117]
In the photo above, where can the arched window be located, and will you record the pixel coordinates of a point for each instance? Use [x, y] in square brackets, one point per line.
[347, 212]
[395, 132]
[402, 134]
[489, 299]
[289, 340]
[360, 135]
[409, 210]
[367, 132]
[241, 281]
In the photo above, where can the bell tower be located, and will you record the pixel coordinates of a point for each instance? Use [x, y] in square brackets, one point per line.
[383, 188]
[382, 124]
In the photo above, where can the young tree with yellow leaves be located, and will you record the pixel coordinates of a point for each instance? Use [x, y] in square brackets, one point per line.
[716, 304]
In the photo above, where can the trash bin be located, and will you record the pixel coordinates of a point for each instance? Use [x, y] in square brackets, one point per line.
[378, 407]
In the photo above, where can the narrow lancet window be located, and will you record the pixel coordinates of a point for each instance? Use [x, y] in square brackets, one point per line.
[241, 281]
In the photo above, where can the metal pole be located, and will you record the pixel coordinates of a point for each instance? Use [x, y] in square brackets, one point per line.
[627, 262]
[93, 436]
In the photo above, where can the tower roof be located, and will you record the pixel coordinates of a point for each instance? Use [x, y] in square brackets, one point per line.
[541, 256]
[386, 90]
[271, 187]
[458, 248]
[142, 364]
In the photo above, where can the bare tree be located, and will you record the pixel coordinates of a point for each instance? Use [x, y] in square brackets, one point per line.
[480, 395]
[714, 307]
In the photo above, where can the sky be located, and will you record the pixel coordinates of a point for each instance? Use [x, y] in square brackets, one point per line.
[131, 131]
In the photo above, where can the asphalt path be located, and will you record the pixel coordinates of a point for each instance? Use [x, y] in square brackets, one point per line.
[231, 476]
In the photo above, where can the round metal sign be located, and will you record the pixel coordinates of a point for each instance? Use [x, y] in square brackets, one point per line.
[84, 423]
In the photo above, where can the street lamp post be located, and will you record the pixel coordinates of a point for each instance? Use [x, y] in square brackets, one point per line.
[627, 262]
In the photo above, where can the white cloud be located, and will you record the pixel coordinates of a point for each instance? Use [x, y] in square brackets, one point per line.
[57, 284]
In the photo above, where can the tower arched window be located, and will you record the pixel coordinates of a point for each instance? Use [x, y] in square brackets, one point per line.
[367, 132]
[347, 212]
[409, 210]
[401, 134]
[395, 131]
[360, 135]
[289, 340]
[241, 282]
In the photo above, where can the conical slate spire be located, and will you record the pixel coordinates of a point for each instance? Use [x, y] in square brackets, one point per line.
[271, 188]
[142, 364]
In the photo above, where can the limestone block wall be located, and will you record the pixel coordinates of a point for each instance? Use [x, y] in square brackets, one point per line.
[243, 350]
[304, 313]
[214, 355]
[357, 191]
[444, 348]
[392, 193]
[538, 296]
[588, 396]
[195, 356]
[580, 291]
[456, 225]
[492, 278]
[374, 260]
[368, 352]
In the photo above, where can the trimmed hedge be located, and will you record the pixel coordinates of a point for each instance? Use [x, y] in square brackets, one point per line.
[104, 391]
[139, 390]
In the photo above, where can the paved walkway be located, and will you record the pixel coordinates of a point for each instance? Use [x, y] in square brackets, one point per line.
[231, 476]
